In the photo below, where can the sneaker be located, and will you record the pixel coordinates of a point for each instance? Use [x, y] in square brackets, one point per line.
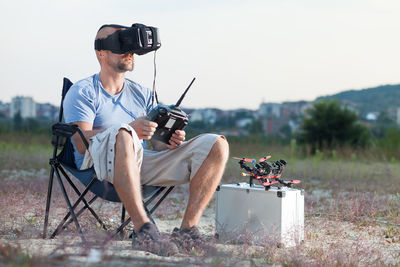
[149, 239]
[190, 238]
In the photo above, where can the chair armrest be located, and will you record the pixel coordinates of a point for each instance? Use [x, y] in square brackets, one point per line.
[67, 130]
[64, 129]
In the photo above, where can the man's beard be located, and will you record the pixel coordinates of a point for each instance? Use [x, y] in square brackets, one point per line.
[122, 66]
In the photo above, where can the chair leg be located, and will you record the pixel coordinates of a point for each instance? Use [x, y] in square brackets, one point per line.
[145, 204]
[161, 200]
[122, 220]
[49, 190]
[118, 230]
[149, 214]
[125, 223]
[63, 224]
[123, 213]
[154, 196]
[83, 200]
[70, 206]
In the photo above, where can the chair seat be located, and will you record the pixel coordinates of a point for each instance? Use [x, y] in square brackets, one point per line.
[105, 189]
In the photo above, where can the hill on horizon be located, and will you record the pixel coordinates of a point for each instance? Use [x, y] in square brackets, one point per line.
[373, 99]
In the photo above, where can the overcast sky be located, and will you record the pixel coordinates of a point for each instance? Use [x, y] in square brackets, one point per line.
[241, 52]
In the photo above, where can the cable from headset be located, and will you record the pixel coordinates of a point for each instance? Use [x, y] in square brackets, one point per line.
[154, 93]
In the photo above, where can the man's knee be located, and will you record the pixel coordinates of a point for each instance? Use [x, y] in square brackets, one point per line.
[221, 148]
[124, 140]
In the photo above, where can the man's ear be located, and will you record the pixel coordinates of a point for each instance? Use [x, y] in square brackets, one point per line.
[99, 53]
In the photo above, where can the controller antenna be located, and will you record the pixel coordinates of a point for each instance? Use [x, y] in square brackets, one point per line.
[180, 99]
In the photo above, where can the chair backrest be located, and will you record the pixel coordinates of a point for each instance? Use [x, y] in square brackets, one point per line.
[67, 154]
[66, 85]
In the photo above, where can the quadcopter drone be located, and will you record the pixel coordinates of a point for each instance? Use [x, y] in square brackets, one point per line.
[267, 173]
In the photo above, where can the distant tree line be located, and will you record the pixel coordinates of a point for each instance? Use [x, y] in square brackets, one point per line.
[372, 99]
[25, 125]
[327, 125]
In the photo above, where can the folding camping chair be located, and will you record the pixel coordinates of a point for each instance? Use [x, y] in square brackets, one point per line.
[63, 161]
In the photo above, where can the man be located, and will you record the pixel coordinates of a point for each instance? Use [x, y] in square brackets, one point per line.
[110, 110]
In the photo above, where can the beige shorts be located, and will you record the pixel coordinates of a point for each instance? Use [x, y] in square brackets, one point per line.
[161, 168]
[176, 166]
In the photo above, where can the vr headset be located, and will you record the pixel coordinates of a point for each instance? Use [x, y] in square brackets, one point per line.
[138, 39]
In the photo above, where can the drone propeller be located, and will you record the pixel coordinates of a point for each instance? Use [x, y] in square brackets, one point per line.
[292, 182]
[269, 183]
[264, 158]
[244, 159]
[270, 177]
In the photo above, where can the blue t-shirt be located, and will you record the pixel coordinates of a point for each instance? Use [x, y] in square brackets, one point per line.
[87, 101]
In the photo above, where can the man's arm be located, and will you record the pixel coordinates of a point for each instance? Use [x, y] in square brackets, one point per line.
[143, 128]
[87, 130]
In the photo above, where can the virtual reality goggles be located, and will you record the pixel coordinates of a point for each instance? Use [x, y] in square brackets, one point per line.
[138, 39]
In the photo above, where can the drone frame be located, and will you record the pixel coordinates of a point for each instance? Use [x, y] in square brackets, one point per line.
[265, 180]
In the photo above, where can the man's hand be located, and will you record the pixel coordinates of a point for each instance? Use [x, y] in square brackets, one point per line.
[176, 139]
[144, 128]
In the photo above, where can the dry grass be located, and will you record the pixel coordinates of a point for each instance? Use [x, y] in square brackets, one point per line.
[352, 209]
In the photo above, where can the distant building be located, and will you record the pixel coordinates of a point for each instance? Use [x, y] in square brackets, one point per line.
[393, 113]
[196, 115]
[23, 105]
[207, 115]
[47, 111]
[272, 125]
[242, 123]
[4, 109]
[398, 116]
[294, 125]
[372, 116]
[242, 113]
[294, 109]
[270, 110]
[274, 116]
[235, 132]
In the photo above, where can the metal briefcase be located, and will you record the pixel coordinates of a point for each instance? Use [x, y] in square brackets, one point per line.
[256, 215]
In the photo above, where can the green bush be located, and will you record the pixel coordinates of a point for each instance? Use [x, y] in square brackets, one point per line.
[389, 144]
[328, 125]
